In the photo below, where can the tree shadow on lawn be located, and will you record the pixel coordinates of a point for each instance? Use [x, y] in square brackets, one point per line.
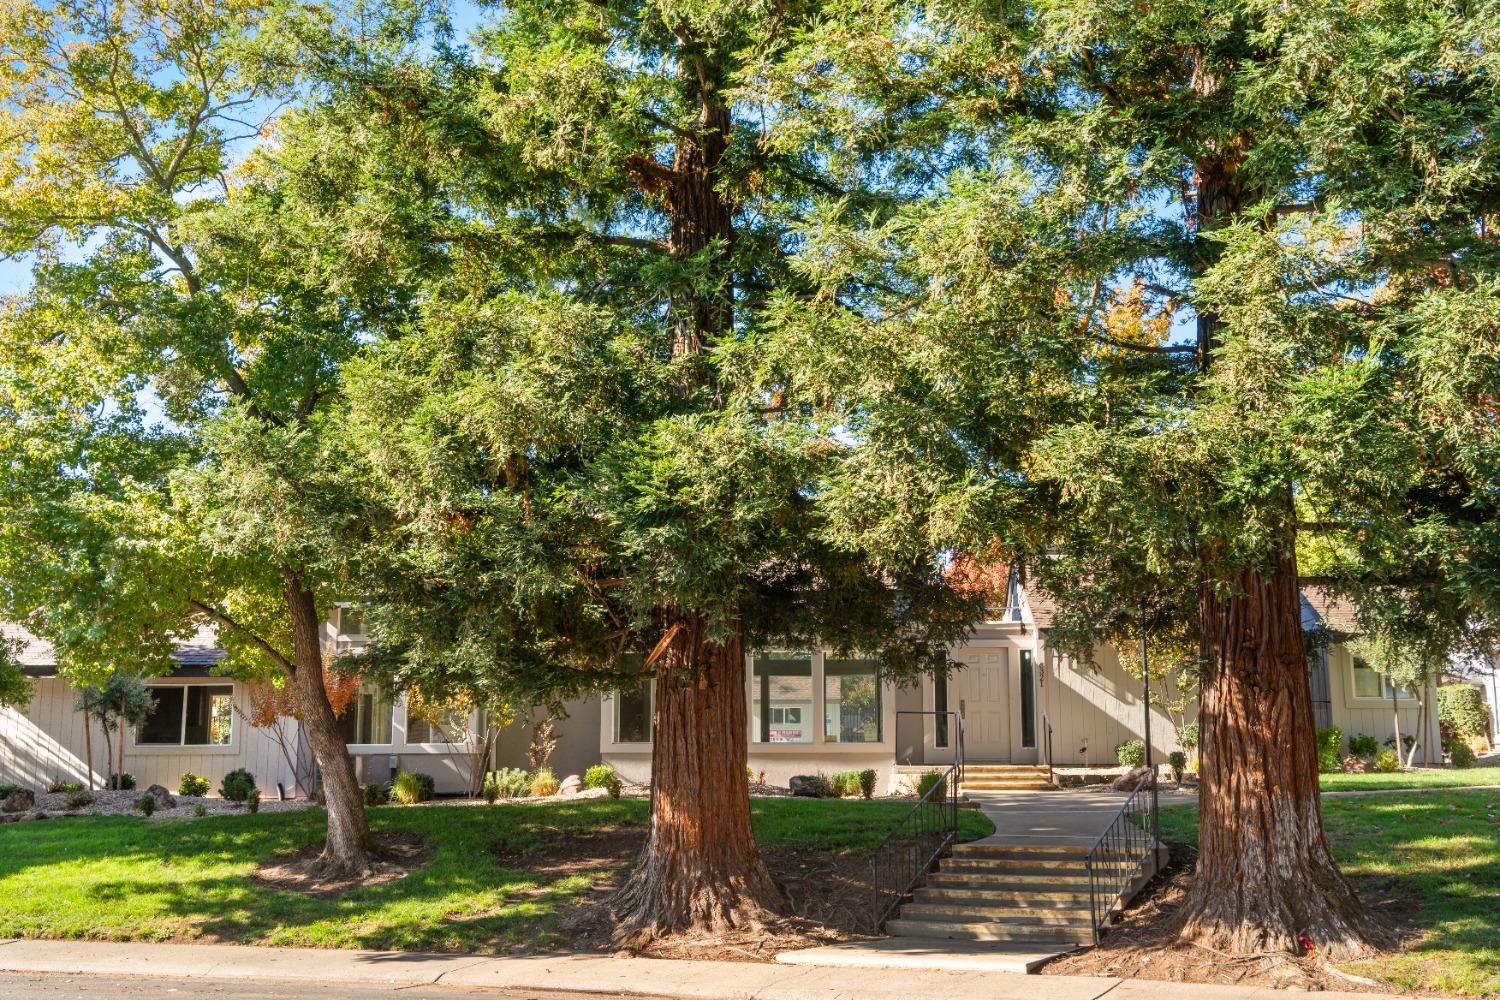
[1428, 866]
[128, 879]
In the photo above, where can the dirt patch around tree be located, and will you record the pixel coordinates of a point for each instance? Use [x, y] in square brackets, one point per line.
[829, 895]
[1144, 943]
[395, 856]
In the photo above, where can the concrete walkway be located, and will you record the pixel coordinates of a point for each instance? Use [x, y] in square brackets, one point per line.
[585, 974]
[1073, 817]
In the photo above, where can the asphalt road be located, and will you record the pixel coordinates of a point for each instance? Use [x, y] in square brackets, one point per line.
[38, 986]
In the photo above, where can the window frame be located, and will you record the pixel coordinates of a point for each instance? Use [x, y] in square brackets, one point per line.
[441, 746]
[183, 747]
[1357, 700]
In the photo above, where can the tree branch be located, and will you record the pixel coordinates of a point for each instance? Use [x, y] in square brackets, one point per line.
[223, 618]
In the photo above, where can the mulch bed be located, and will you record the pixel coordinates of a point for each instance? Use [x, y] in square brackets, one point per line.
[396, 855]
[1144, 943]
[829, 893]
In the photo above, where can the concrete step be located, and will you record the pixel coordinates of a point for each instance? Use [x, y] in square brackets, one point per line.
[986, 931]
[985, 785]
[1021, 850]
[996, 874]
[989, 863]
[1017, 902]
[1036, 886]
[1006, 768]
[994, 914]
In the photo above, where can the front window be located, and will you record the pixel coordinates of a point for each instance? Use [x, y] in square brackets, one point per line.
[1028, 700]
[199, 715]
[1370, 683]
[851, 701]
[367, 720]
[451, 727]
[784, 692]
[351, 623]
[633, 712]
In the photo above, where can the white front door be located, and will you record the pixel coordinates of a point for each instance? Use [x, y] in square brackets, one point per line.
[980, 689]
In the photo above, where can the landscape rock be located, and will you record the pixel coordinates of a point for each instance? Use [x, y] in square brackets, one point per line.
[571, 785]
[592, 793]
[806, 786]
[1356, 765]
[19, 800]
[164, 799]
[1127, 781]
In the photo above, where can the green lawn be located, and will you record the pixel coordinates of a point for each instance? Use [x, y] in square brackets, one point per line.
[1439, 854]
[1455, 778]
[124, 878]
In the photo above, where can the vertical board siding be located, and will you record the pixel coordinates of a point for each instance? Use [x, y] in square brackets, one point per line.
[45, 743]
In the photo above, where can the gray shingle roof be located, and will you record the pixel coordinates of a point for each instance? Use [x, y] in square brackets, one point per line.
[36, 655]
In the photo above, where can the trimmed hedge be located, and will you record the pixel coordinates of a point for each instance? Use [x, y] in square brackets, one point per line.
[1330, 750]
[1462, 707]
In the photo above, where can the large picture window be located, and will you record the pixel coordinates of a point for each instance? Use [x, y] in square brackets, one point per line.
[367, 720]
[199, 715]
[783, 690]
[851, 701]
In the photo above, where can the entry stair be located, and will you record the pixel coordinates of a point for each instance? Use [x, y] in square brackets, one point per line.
[1002, 892]
[1006, 778]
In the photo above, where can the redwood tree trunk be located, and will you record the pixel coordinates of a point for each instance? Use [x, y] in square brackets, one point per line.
[347, 852]
[1265, 874]
[700, 870]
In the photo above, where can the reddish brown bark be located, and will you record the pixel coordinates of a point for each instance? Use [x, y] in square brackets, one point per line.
[1266, 877]
[700, 870]
[347, 851]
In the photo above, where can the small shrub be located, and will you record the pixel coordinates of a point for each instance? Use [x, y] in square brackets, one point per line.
[375, 794]
[120, 782]
[237, 785]
[70, 787]
[845, 783]
[1187, 736]
[489, 789]
[1330, 750]
[146, 804]
[543, 783]
[1387, 761]
[604, 776]
[1363, 746]
[927, 781]
[252, 801]
[867, 783]
[200, 810]
[79, 799]
[1407, 742]
[1462, 707]
[749, 774]
[1460, 754]
[1178, 760]
[55, 786]
[193, 785]
[512, 782]
[760, 779]
[411, 787]
[1131, 753]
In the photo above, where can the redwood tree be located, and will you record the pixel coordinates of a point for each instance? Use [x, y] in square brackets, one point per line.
[591, 471]
[1245, 254]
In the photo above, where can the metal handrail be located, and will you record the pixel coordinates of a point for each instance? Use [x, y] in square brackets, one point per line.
[914, 845]
[1122, 850]
[1047, 744]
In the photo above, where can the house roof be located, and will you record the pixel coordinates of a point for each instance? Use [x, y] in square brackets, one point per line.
[37, 657]
[1322, 607]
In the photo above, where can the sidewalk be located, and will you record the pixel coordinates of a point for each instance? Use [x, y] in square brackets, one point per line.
[588, 974]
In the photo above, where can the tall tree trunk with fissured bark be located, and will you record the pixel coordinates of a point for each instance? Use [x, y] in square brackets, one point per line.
[701, 870]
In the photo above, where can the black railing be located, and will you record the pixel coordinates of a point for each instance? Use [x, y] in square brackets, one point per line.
[922, 836]
[1125, 849]
[1047, 744]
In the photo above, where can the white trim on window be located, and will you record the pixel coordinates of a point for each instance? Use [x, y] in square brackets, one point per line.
[185, 685]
